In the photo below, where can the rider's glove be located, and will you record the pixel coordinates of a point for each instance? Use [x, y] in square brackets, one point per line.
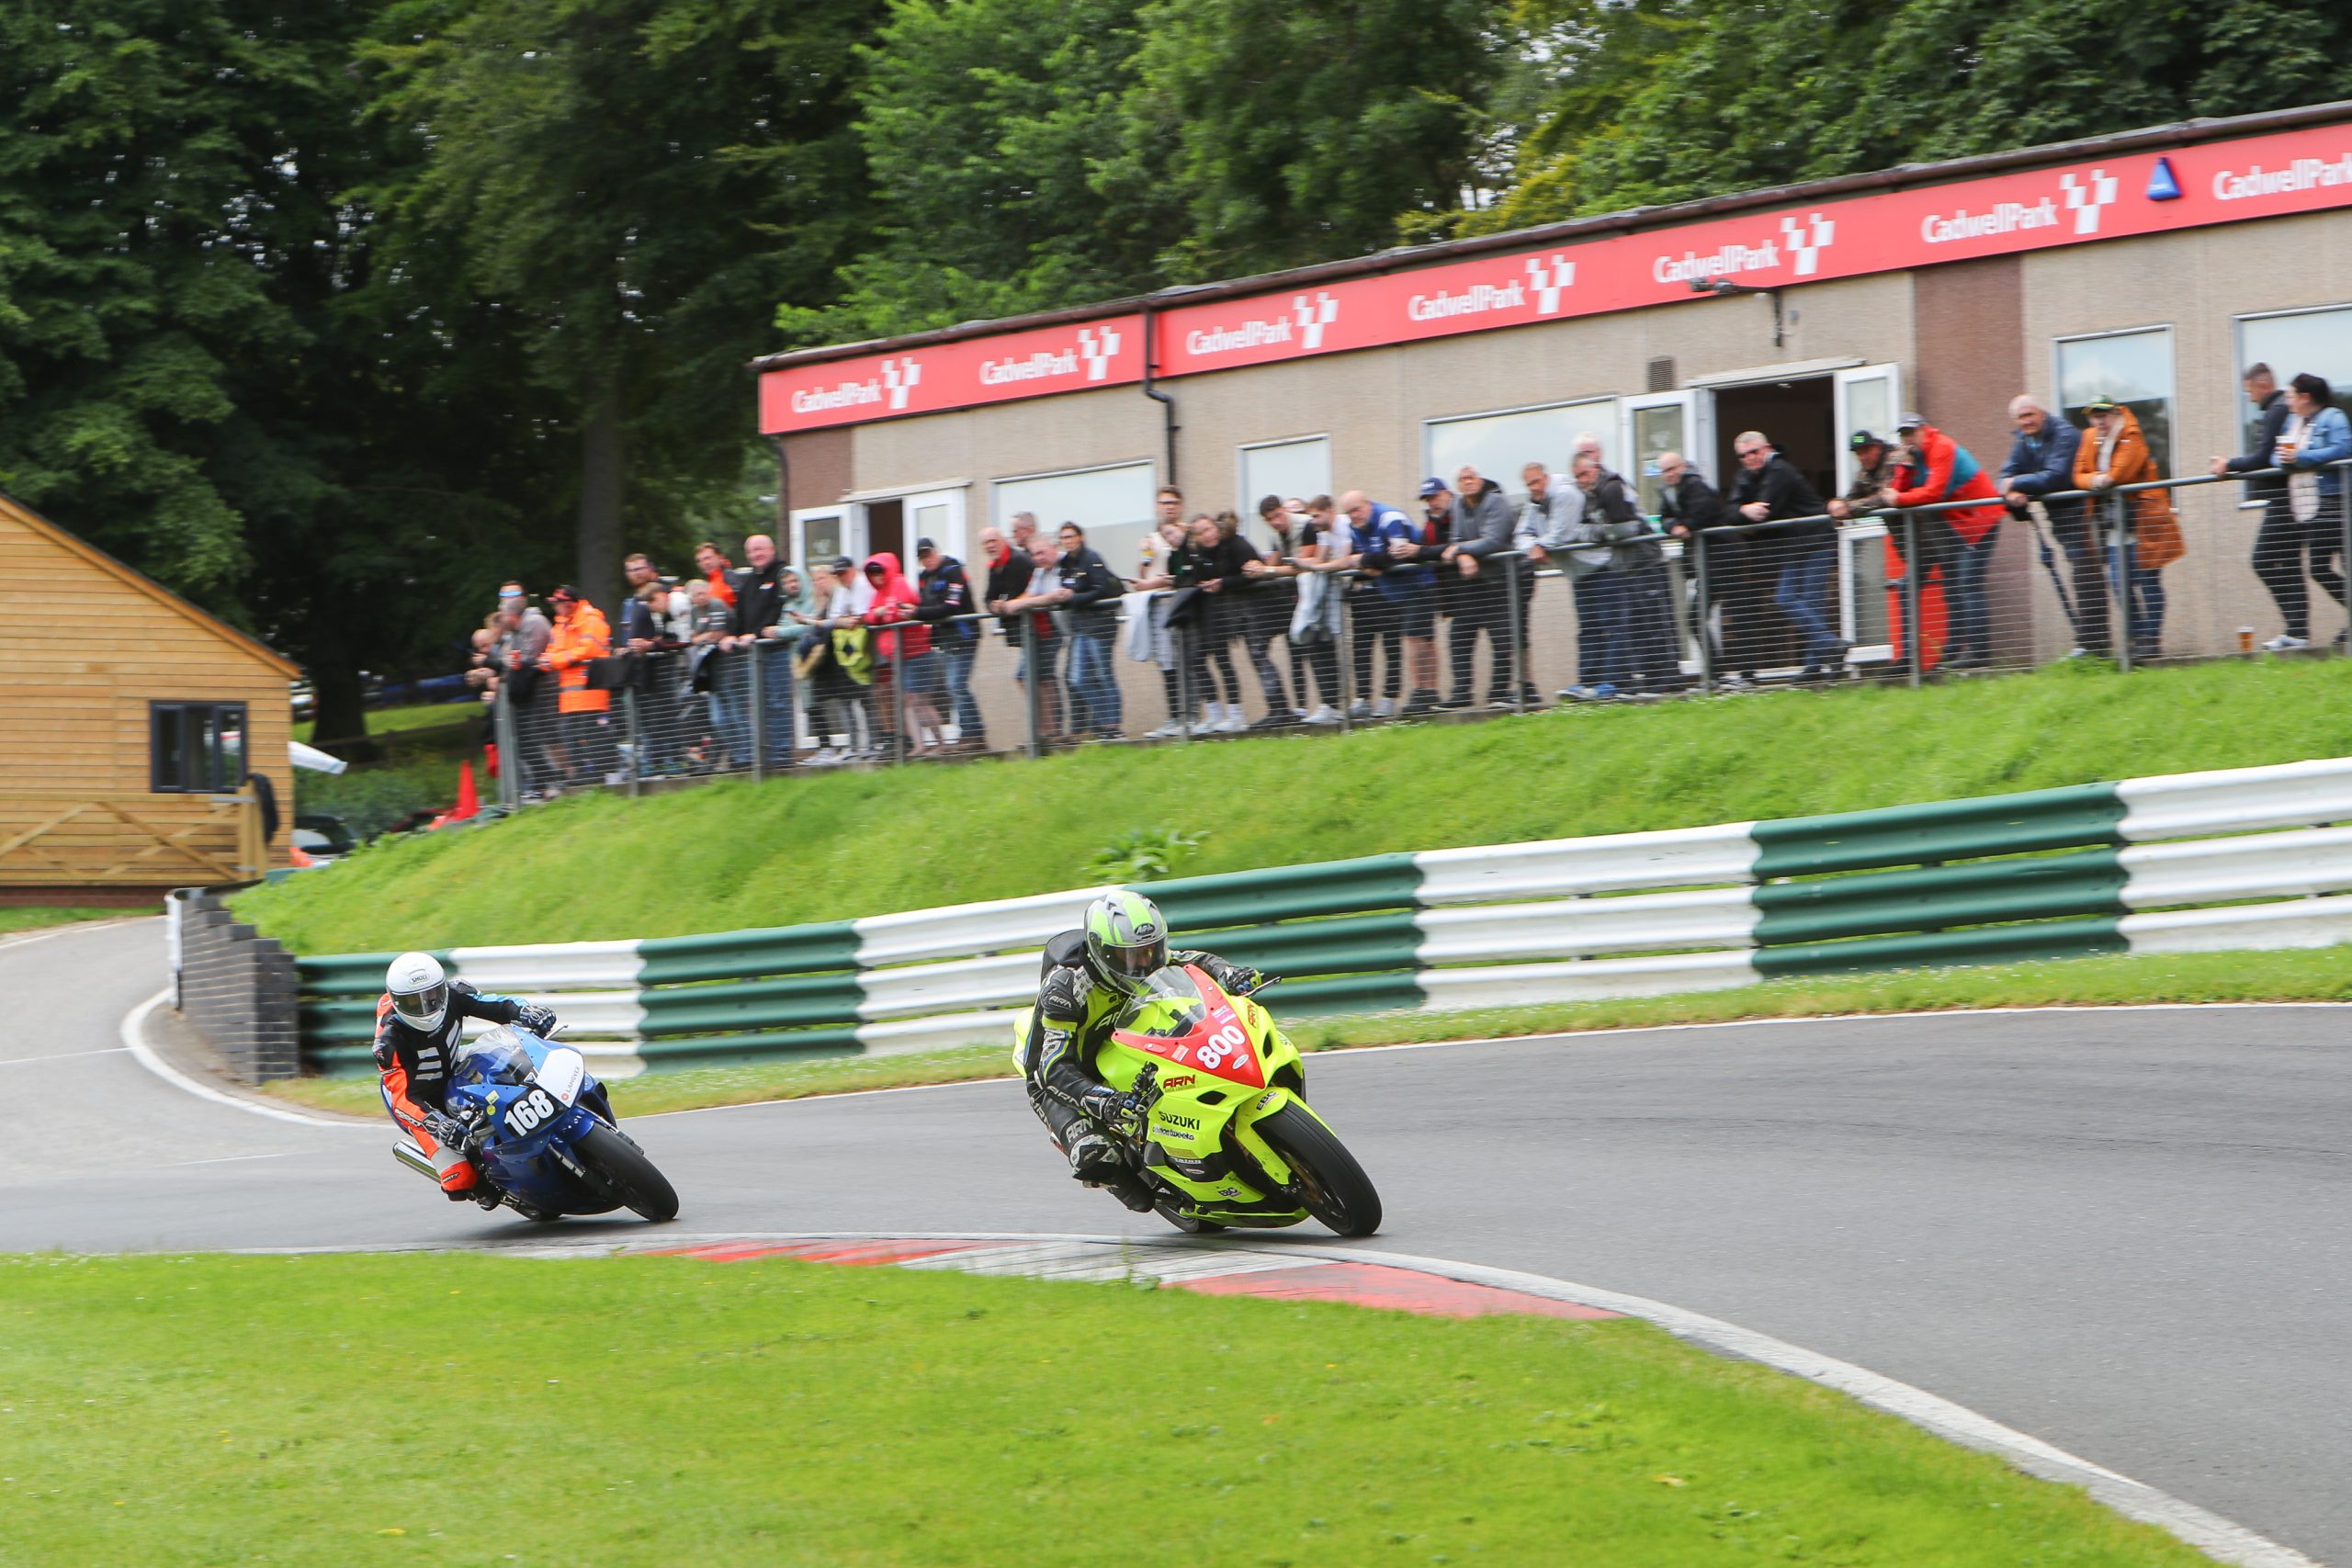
[1249, 981]
[536, 1019]
[448, 1131]
[1120, 1112]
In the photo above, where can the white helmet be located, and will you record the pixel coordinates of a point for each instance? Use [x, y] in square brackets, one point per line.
[419, 988]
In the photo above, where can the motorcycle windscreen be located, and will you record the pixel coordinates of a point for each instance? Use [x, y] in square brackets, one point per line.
[493, 1057]
[1183, 1018]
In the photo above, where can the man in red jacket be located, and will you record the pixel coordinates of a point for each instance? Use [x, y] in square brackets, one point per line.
[1941, 470]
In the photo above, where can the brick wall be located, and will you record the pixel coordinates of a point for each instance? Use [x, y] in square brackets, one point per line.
[239, 989]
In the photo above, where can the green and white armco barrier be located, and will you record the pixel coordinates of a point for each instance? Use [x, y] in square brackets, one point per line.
[2172, 863]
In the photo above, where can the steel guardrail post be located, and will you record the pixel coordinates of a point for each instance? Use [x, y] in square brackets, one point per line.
[756, 654]
[1518, 619]
[1029, 683]
[1702, 618]
[2118, 565]
[1914, 659]
[635, 730]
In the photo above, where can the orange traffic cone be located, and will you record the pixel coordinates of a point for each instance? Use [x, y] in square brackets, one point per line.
[469, 803]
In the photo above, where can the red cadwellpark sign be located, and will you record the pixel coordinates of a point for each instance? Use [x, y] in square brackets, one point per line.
[2070, 204]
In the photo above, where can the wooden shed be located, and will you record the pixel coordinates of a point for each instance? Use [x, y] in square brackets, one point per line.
[129, 723]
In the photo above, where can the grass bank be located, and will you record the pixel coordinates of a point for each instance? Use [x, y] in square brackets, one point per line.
[730, 855]
[165, 1411]
[2319, 975]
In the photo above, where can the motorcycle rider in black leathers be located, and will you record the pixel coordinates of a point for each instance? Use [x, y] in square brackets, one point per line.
[419, 1023]
[1084, 990]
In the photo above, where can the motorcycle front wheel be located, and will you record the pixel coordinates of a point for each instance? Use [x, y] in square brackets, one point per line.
[630, 1177]
[1330, 1185]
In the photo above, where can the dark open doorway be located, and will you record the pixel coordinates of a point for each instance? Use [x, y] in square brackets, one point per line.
[1800, 417]
[886, 528]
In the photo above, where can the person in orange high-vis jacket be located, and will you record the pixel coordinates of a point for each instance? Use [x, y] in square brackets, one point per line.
[2114, 451]
[581, 637]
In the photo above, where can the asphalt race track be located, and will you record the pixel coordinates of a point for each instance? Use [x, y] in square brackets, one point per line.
[2123, 1232]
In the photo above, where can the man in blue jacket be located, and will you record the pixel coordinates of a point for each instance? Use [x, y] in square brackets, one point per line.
[2042, 463]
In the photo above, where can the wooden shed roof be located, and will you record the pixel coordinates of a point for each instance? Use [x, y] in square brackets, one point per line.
[17, 512]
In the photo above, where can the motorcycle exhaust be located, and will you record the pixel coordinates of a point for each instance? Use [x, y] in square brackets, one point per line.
[415, 1159]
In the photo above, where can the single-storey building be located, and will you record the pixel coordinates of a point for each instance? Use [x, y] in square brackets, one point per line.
[133, 727]
[2148, 267]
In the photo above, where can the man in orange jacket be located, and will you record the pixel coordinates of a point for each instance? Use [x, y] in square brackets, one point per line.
[581, 637]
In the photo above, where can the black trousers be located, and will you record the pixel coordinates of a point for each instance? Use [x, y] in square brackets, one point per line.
[2286, 551]
[2077, 532]
[1480, 605]
[1376, 620]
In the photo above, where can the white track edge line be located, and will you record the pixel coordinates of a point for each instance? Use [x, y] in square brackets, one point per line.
[1582, 1035]
[2221, 1539]
[134, 1025]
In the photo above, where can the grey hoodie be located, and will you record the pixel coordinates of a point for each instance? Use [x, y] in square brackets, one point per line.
[1483, 527]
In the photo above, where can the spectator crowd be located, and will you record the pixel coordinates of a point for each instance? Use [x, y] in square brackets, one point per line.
[842, 662]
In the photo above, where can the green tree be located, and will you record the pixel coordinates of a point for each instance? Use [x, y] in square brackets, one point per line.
[1301, 130]
[639, 181]
[1669, 100]
[993, 131]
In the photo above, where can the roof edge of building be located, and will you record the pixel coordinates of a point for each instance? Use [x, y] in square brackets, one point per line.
[2179, 134]
[204, 619]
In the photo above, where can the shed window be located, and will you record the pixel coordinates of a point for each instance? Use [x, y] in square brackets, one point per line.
[196, 748]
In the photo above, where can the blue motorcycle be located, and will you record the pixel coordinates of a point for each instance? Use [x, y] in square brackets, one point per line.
[551, 1145]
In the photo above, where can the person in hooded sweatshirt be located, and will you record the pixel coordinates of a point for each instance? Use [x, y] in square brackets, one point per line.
[843, 703]
[906, 667]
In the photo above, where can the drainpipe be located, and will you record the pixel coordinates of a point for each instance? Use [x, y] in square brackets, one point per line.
[783, 495]
[1166, 403]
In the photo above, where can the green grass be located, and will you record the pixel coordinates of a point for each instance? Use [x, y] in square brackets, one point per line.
[732, 854]
[457, 1409]
[384, 722]
[32, 916]
[2316, 974]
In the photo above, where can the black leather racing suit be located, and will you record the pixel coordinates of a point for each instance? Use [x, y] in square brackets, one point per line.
[1073, 1019]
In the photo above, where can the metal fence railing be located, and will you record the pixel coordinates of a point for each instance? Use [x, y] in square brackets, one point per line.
[2206, 570]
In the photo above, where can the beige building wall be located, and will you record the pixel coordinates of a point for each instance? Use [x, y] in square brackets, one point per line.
[2198, 283]
[1372, 405]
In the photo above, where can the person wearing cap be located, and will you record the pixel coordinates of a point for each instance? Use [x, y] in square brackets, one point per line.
[946, 598]
[1877, 462]
[1941, 470]
[2115, 452]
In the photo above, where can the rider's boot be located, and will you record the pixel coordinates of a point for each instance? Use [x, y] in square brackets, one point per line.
[462, 1181]
[1094, 1160]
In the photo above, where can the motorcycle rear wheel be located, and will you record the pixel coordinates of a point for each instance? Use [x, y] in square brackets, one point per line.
[630, 1177]
[1330, 1185]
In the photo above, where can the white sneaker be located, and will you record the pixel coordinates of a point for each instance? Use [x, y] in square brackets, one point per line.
[825, 757]
[2282, 643]
[1385, 708]
[1168, 732]
[1359, 709]
[1233, 723]
[1324, 713]
[1215, 712]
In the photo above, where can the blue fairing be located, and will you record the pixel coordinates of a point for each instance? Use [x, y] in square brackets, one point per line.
[493, 1073]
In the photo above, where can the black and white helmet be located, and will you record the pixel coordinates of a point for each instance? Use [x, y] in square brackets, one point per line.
[420, 990]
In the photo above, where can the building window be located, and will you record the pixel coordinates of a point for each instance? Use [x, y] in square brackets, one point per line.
[1300, 469]
[2294, 342]
[1112, 505]
[196, 748]
[2134, 369]
[1499, 445]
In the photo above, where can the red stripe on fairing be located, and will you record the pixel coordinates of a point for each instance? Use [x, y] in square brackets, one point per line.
[1375, 1285]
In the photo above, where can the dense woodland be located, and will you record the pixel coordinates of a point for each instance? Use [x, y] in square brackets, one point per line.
[329, 316]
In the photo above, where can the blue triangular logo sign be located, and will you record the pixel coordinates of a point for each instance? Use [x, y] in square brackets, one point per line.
[2161, 186]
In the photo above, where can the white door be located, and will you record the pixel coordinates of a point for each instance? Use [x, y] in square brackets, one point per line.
[1659, 423]
[819, 534]
[936, 515]
[1869, 398]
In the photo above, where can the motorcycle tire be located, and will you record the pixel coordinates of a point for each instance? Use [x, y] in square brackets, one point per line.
[1330, 1185]
[1188, 1223]
[624, 1170]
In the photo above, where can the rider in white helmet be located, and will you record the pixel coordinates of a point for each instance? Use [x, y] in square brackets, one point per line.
[418, 1023]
